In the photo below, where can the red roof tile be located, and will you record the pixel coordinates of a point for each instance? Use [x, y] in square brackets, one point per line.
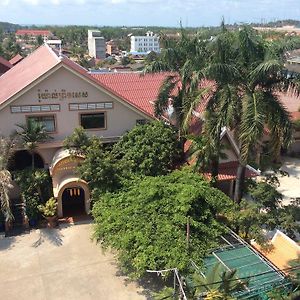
[16, 59]
[140, 91]
[5, 63]
[228, 170]
[26, 72]
[33, 32]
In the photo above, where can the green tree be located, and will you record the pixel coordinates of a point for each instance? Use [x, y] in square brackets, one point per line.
[248, 102]
[32, 133]
[39, 40]
[78, 142]
[125, 60]
[99, 168]
[179, 93]
[217, 283]
[147, 221]
[150, 149]
[7, 146]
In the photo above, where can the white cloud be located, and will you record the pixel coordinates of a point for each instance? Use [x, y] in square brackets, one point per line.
[4, 2]
[32, 2]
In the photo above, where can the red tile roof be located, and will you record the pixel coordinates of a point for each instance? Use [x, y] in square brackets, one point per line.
[16, 59]
[33, 32]
[26, 72]
[140, 91]
[228, 170]
[5, 63]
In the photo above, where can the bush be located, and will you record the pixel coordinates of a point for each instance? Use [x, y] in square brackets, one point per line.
[49, 209]
[147, 222]
[151, 149]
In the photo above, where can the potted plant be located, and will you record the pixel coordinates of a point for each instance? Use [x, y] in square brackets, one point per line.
[32, 210]
[48, 211]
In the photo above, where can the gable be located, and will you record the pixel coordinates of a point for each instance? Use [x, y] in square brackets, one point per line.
[63, 88]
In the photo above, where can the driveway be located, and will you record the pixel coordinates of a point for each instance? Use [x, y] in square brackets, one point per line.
[61, 264]
[290, 185]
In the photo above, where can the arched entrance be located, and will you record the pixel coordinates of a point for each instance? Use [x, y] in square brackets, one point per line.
[71, 192]
[73, 201]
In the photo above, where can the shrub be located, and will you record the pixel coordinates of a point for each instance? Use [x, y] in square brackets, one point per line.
[147, 222]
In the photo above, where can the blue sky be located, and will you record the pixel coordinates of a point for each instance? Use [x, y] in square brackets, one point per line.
[146, 12]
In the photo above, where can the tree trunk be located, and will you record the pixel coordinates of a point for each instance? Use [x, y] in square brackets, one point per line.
[214, 171]
[240, 182]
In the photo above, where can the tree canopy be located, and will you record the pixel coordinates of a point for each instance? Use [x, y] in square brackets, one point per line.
[150, 149]
[147, 221]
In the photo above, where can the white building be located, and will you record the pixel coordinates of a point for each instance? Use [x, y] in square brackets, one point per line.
[145, 44]
[96, 44]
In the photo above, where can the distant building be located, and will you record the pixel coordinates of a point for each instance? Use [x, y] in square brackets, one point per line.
[144, 44]
[111, 48]
[96, 44]
[29, 35]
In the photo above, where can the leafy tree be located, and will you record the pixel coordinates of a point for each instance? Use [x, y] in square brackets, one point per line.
[78, 142]
[125, 60]
[36, 188]
[99, 168]
[150, 149]
[31, 135]
[147, 221]
[39, 40]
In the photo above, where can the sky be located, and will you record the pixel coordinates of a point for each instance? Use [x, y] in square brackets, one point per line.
[192, 13]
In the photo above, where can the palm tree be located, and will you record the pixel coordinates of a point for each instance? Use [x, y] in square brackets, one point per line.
[217, 283]
[248, 101]
[179, 93]
[6, 149]
[32, 133]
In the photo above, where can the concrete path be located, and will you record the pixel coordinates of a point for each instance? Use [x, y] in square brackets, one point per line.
[61, 264]
[290, 185]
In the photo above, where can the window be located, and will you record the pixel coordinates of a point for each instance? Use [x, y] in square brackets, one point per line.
[47, 121]
[90, 106]
[141, 122]
[34, 108]
[93, 121]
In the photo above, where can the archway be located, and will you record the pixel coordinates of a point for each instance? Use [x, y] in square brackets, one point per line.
[73, 201]
[73, 198]
[22, 159]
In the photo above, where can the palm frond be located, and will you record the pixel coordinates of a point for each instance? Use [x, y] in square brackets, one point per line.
[165, 93]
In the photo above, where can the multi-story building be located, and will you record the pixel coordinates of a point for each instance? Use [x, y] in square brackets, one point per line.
[96, 44]
[29, 35]
[144, 44]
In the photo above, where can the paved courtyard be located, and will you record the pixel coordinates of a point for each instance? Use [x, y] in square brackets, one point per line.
[290, 185]
[61, 264]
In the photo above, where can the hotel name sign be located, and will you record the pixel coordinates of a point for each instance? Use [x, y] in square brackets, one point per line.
[60, 94]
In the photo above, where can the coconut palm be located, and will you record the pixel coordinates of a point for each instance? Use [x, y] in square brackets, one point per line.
[6, 149]
[31, 135]
[248, 102]
[216, 284]
[179, 93]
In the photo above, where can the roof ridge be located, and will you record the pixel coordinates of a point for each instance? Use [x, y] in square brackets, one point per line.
[52, 52]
